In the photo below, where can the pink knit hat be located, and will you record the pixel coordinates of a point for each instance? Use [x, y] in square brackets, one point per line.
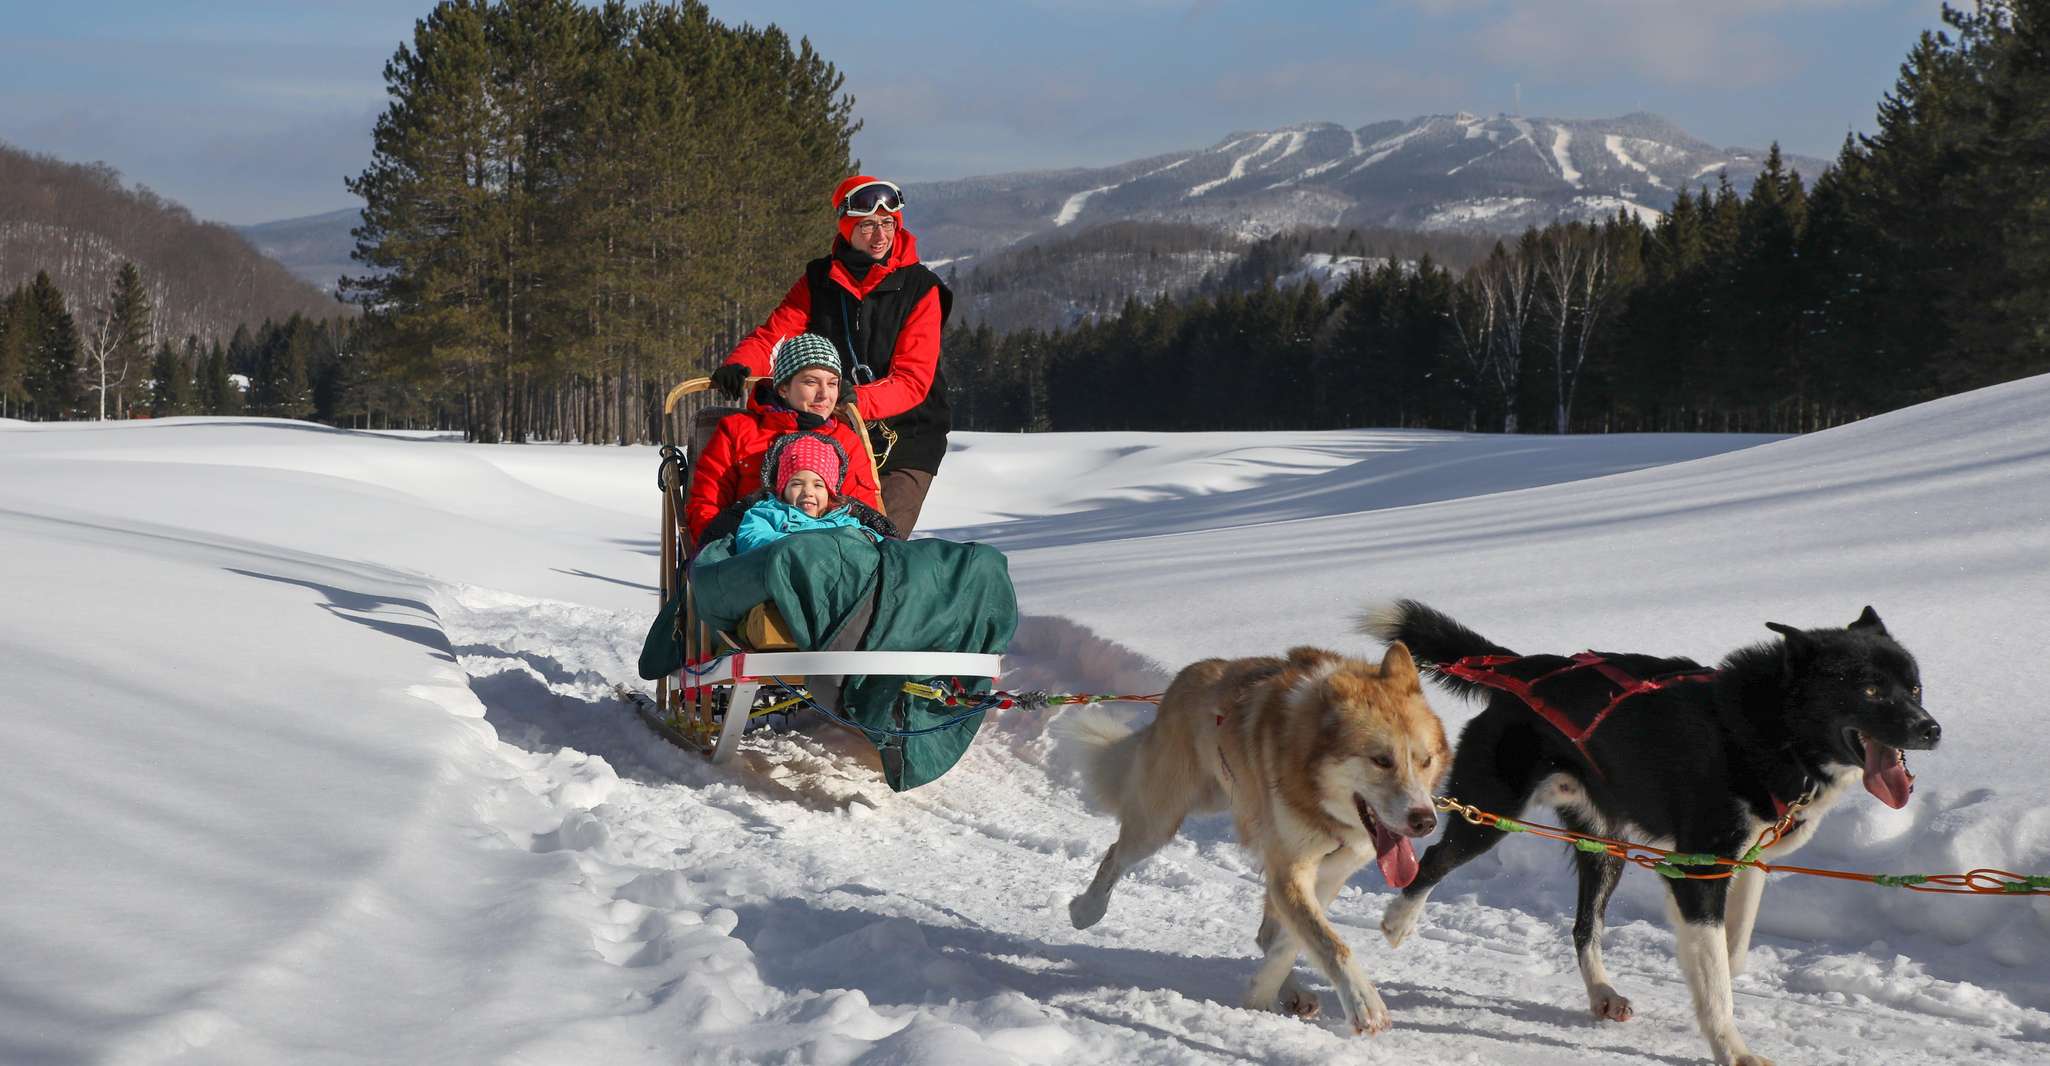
[808, 451]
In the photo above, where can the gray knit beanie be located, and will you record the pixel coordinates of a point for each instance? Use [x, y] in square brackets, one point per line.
[801, 352]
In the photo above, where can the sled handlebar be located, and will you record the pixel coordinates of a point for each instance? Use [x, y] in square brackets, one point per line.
[697, 385]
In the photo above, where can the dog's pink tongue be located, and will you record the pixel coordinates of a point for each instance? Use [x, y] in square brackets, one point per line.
[1396, 857]
[1886, 776]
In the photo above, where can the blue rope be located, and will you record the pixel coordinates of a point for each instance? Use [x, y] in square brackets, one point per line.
[704, 668]
[805, 700]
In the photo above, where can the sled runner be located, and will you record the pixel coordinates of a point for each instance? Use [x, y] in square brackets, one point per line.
[868, 634]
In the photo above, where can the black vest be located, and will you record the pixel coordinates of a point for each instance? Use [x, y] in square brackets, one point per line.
[869, 326]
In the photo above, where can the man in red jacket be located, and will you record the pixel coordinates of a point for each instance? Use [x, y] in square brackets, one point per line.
[884, 311]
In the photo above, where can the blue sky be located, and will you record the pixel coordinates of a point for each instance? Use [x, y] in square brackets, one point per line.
[248, 112]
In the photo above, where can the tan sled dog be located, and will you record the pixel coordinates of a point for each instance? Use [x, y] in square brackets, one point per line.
[1325, 762]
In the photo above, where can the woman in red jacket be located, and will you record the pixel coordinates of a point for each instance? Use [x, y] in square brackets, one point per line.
[884, 311]
[802, 394]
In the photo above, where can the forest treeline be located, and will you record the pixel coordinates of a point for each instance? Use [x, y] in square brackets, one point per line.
[571, 207]
[1061, 281]
[116, 365]
[1916, 265]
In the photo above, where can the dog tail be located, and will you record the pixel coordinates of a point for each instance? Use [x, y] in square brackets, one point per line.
[1109, 748]
[1432, 638]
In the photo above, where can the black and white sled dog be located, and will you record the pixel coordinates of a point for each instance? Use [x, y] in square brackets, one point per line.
[1701, 764]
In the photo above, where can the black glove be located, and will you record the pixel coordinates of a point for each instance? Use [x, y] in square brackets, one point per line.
[730, 379]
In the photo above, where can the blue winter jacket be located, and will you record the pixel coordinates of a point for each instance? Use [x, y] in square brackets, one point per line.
[771, 520]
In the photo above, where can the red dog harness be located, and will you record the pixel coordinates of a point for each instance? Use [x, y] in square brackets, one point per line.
[1486, 670]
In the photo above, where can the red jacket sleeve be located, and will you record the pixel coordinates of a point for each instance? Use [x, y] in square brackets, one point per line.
[861, 480]
[788, 319]
[912, 364]
[715, 477]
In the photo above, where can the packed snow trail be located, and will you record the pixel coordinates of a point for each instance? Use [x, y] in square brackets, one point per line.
[950, 903]
[315, 757]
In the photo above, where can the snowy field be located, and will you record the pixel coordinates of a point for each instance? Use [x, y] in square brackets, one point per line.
[311, 755]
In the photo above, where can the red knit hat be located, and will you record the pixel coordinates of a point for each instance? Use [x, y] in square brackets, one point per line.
[840, 192]
[808, 451]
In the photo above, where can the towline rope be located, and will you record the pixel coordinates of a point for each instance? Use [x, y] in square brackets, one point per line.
[1699, 866]
[994, 700]
[1677, 865]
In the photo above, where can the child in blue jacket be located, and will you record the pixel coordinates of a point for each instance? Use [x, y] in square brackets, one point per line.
[808, 472]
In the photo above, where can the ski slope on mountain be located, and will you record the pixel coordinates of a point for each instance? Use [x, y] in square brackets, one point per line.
[313, 754]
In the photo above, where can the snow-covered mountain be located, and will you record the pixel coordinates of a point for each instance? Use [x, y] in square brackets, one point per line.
[1437, 172]
[1457, 171]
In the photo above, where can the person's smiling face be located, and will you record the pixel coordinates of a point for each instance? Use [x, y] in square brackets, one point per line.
[874, 235]
[807, 492]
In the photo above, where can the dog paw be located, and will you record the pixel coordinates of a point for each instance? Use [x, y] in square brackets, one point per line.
[1609, 1005]
[1752, 1060]
[1086, 910]
[1364, 1009]
[1399, 920]
[1298, 1001]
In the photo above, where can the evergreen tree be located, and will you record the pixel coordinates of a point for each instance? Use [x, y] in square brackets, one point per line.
[428, 220]
[1424, 338]
[1850, 369]
[1764, 355]
[169, 385]
[51, 374]
[1919, 248]
[117, 347]
[2010, 156]
[131, 310]
[14, 350]
[280, 386]
[218, 394]
[566, 199]
[340, 375]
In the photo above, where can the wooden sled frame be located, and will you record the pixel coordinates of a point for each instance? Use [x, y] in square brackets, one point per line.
[705, 707]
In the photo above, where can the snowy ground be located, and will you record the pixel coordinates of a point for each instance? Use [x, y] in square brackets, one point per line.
[311, 754]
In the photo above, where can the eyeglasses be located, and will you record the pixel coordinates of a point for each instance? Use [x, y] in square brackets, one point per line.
[872, 198]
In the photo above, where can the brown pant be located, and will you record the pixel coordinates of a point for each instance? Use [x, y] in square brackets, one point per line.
[904, 496]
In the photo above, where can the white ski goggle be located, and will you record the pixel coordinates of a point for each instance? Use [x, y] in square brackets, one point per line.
[873, 198]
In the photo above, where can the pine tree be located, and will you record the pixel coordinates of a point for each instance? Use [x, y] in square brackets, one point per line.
[1763, 360]
[14, 350]
[1852, 367]
[1919, 246]
[280, 386]
[51, 373]
[428, 218]
[2011, 159]
[169, 384]
[116, 348]
[131, 312]
[566, 202]
[1424, 338]
[293, 381]
[218, 394]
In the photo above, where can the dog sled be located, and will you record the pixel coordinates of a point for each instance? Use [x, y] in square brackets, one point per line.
[800, 626]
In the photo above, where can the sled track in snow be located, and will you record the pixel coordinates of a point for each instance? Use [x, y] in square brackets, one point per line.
[808, 909]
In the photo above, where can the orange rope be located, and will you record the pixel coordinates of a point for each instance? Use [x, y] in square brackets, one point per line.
[1678, 865]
